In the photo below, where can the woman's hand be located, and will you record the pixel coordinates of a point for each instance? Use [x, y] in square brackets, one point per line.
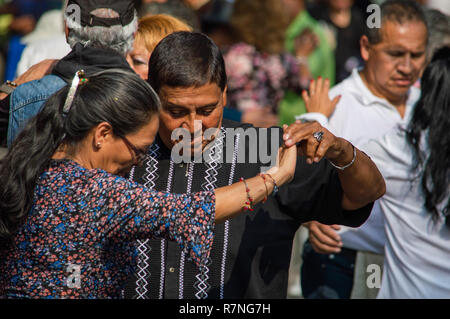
[318, 100]
[284, 170]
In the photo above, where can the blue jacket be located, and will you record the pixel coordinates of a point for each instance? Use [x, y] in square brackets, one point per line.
[27, 100]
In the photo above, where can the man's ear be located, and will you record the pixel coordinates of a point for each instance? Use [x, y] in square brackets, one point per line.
[224, 96]
[364, 47]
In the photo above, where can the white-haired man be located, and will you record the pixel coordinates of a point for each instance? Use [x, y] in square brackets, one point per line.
[100, 33]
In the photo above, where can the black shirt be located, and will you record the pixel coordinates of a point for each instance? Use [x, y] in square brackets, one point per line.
[251, 253]
[347, 52]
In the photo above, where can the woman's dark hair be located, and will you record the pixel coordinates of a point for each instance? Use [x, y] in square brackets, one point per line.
[186, 59]
[118, 97]
[430, 123]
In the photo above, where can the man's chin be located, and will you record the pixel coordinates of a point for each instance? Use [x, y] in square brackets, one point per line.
[398, 92]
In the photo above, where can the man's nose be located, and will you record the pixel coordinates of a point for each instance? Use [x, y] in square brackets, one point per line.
[405, 66]
[192, 125]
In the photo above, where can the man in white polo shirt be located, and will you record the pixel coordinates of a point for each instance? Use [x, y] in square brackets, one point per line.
[373, 101]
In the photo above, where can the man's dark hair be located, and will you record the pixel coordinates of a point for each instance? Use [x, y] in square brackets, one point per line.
[398, 11]
[186, 59]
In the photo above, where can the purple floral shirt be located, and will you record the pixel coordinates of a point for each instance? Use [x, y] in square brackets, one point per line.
[76, 242]
[258, 79]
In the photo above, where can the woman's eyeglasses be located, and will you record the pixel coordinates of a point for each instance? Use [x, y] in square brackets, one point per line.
[139, 154]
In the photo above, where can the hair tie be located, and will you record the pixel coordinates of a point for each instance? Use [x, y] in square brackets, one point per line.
[77, 79]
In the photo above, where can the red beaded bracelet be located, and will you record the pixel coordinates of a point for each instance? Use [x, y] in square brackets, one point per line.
[267, 190]
[249, 203]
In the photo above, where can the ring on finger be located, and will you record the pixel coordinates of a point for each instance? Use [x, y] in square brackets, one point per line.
[318, 136]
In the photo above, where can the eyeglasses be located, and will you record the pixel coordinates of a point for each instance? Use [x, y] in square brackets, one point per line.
[138, 153]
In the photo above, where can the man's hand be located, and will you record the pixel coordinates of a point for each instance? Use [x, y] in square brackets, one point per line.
[305, 43]
[318, 100]
[361, 181]
[37, 71]
[314, 148]
[324, 238]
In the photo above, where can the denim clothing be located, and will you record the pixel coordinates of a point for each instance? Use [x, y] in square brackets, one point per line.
[27, 100]
[327, 276]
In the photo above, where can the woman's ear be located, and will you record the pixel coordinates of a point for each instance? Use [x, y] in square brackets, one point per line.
[103, 133]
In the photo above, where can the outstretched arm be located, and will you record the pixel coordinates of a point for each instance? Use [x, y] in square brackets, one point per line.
[230, 200]
[361, 181]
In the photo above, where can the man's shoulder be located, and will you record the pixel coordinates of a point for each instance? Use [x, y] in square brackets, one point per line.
[247, 127]
[348, 85]
[48, 81]
[226, 123]
[353, 95]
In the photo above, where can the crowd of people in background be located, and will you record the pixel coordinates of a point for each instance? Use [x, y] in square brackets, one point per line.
[378, 97]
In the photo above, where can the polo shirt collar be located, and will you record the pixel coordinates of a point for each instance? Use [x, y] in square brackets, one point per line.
[367, 98]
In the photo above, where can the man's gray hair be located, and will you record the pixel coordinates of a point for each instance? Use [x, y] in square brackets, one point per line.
[117, 37]
[398, 11]
[439, 29]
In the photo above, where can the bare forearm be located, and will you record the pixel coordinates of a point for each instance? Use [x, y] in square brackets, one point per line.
[230, 200]
[361, 182]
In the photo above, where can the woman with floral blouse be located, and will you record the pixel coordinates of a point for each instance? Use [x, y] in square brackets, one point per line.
[260, 71]
[67, 217]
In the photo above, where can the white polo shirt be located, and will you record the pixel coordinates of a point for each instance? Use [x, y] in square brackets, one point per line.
[359, 117]
[417, 252]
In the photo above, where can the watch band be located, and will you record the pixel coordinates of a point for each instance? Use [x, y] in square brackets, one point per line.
[8, 87]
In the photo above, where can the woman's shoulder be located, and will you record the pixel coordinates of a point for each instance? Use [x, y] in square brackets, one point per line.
[75, 174]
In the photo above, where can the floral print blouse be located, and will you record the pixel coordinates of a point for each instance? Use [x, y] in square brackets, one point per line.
[77, 240]
[256, 79]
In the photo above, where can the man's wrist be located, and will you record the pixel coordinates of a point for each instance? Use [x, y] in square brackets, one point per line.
[345, 158]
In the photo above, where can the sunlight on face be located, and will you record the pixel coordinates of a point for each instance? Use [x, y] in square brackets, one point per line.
[396, 62]
[121, 157]
[181, 107]
[138, 59]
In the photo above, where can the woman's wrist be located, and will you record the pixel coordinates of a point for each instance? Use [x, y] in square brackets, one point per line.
[278, 177]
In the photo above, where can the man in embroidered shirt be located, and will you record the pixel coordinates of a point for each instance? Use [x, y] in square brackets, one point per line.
[251, 253]
[373, 101]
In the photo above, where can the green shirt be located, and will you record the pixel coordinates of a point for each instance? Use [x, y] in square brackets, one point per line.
[321, 63]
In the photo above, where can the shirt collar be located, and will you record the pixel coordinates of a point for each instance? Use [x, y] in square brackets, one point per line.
[367, 98]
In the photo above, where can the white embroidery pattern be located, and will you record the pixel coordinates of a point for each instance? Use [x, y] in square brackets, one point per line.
[143, 248]
[183, 254]
[227, 224]
[163, 241]
[213, 164]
